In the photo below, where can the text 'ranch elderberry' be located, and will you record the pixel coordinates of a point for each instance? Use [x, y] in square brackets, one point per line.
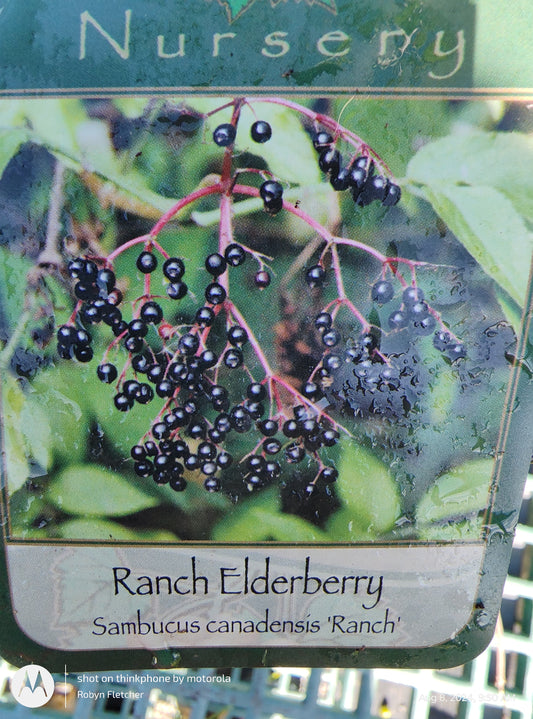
[265, 342]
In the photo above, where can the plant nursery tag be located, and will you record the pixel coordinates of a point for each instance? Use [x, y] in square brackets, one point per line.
[265, 330]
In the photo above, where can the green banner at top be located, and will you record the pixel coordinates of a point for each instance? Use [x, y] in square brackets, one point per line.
[215, 45]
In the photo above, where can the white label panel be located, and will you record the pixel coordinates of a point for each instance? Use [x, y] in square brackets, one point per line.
[154, 598]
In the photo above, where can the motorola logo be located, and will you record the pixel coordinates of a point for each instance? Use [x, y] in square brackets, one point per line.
[32, 686]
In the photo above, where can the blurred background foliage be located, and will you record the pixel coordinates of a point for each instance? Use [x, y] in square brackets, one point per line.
[466, 208]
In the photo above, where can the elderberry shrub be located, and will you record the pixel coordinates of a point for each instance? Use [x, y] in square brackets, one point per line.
[218, 412]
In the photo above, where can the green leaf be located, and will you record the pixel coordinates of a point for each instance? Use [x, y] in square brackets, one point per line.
[56, 122]
[290, 154]
[98, 157]
[454, 497]
[68, 441]
[511, 310]
[262, 521]
[344, 527]
[475, 158]
[98, 529]
[13, 271]
[26, 509]
[12, 112]
[468, 529]
[27, 434]
[122, 429]
[131, 107]
[368, 490]
[392, 127]
[36, 428]
[18, 469]
[479, 184]
[12, 131]
[443, 395]
[88, 489]
[84, 145]
[489, 227]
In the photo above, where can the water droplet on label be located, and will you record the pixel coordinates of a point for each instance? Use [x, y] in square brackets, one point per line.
[482, 620]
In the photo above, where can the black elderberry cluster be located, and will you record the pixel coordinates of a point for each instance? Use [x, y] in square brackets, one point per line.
[330, 335]
[74, 341]
[359, 376]
[304, 433]
[191, 435]
[369, 380]
[364, 382]
[414, 312]
[358, 175]
[199, 412]
[95, 288]
[415, 315]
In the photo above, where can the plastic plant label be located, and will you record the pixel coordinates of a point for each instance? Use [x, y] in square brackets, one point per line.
[265, 341]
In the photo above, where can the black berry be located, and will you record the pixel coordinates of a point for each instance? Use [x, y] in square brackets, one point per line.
[215, 264]
[256, 391]
[412, 295]
[331, 338]
[294, 454]
[177, 290]
[138, 328]
[234, 255]
[342, 180]
[261, 131]
[122, 402]
[330, 161]
[233, 358]
[224, 135]
[382, 292]
[83, 354]
[188, 343]
[151, 313]
[271, 192]
[237, 336]
[205, 316]
[322, 140]
[215, 294]
[262, 279]
[392, 196]
[315, 276]
[323, 321]
[173, 269]
[105, 279]
[146, 262]
[268, 427]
